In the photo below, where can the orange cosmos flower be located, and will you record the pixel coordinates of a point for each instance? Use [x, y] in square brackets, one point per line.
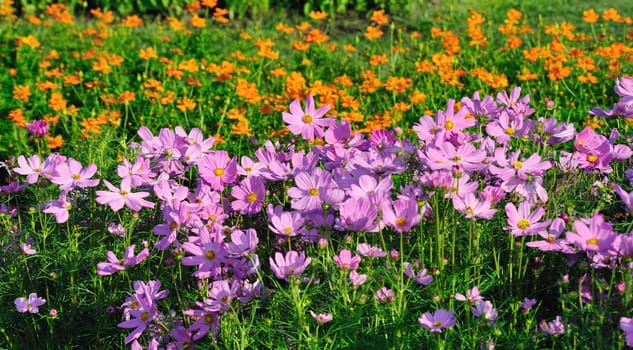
[611, 14]
[343, 80]
[51, 118]
[197, 21]
[514, 42]
[28, 40]
[132, 21]
[17, 117]
[379, 17]
[22, 92]
[588, 78]
[59, 12]
[398, 84]
[219, 14]
[186, 104]
[280, 27]
[54, 142]
[209, 3]
[300, 46]
[316, 36]
[376, 60]
[127, 97]
[104, 16]
[278, 72]
[557, 71]
[57, 102]
[147, 54]
[417, 97]
[590, 16]
[526, 75]
[189, 65]
[373, 33]
[349, 48]
[317, 15]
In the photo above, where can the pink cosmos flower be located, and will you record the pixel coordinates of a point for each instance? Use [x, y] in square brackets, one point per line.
[27, 249]
[59, 208]
[472, 295]
[422, 277]
[437, 321]
[311, 190]
[207, 254]
[553, 327]
[473, 208]
[370, 251]
[117, 198]
[402, 216]
[140, 317]
[71, 174]
[384, 295]
[523, 222]
[33, 168]
[321, 318]
[597, 237]
[217, 169]
[552, 240]
[357, 279]
[39, 128]
[346, 261]
[626, 197]
[626, 324]
[287, 224]
[115, 264]
[30, 304]
[292, 264]
[484, 310]
[308, 123]
[249, 195]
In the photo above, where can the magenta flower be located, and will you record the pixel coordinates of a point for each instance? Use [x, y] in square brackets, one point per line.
[552, 240]
[311, 190]
[384, 295]
[437, 321]
[403, 215]
[553, 327]
[33, 168]
[357, 215]
[71, 174]
[115, 264]
[597, 237]
[484, 310]
[27, 249]
[292, 264]
[321, 318]
[473, 208]
[472, 295]
[39, 128]
[29, 304]
[140, 317]
[626, 324]
[346, 261]
[59, 208]
[523, 222]
[117, 198]
[308, 123]
[370, 251]
[208, 255]
[626, 197]
[287, 224]
[218, 169]
[249, 195]
[357, 279]
[422, 277]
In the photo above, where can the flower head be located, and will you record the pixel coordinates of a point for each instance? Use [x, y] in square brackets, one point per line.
[29, 304]
[437, 321]
[309, 122]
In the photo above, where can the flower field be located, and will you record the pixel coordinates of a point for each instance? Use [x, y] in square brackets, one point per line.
[317, 182]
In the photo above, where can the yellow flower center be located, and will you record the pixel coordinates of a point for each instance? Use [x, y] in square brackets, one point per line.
[307, 119]
[288, 230]
[76, 177]
[38, 170]
[313, 192]
[252, 197]
[592, 158]
[437, 324]
[509, 131]
[209, 254]
[124, 193]
[400, 222]
[517, 164]
[550, 239]
[593, 241]
[523, 224]
[173, 225]
[144, 316]
[208, 318]
[213, 217]
[218, 171]
[449, 125]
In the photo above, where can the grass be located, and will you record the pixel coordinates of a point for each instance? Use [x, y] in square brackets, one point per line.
[139, 106]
